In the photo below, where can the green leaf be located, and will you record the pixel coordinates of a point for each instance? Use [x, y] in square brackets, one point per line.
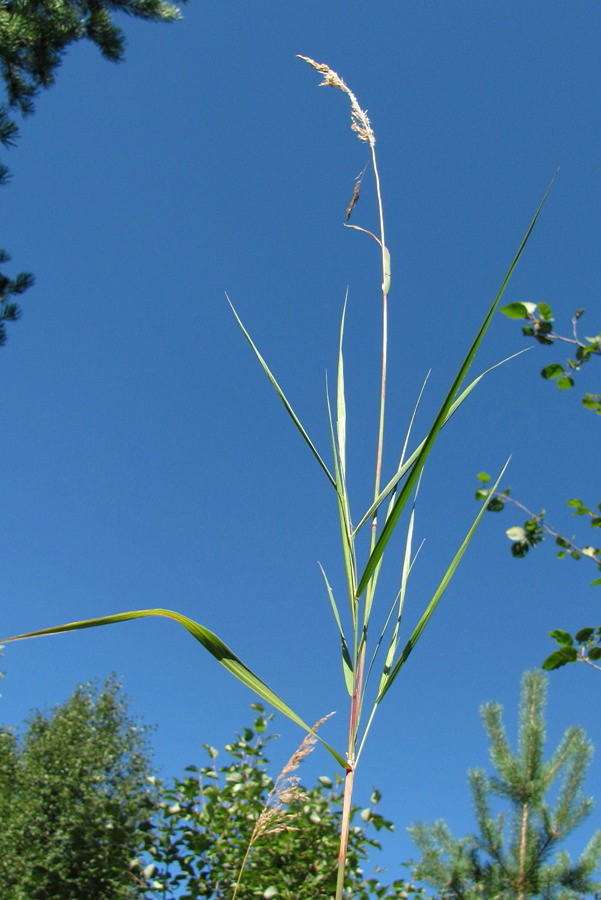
[341, 403]
[554, 370]
[545, 311]
[565, 382]
[407, 565]
[484, 477]
[584, 635]
[562, 637]
[220, 651]
[344, 518]
[560, 658]
[596, 582]
[282, 396]
[594, 653]
[347, 663]
[367, 516]
[517, 310]
[592, 401]
[520, 549]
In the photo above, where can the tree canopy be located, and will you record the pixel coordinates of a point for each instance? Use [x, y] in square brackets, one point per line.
[75, 798]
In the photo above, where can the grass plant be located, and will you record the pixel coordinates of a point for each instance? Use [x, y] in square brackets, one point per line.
[362, 654]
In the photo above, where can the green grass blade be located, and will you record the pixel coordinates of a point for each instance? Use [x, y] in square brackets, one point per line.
[370, 593]
[367, 517]
[398, 601]
[348, 548]
[347, 663]
[404, 579]
[282, 397]
[389, 664]
[417, 631]
[220, 651]
[341, 402]
[443, 413]
[412, 419]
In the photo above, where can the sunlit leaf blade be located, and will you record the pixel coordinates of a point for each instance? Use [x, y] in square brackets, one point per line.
[404, 468]
[369, 596]
[347, 663]
[412, 419]
[396, 603]
[405, 577]
[425, 618]
[282, 397]
[370, 593]
[341, 402]
[220, 651]
[399, 600]
[443, 413]
[348, 548]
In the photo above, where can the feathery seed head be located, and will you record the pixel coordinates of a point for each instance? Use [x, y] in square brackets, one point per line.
[286, 791]
[360, 123]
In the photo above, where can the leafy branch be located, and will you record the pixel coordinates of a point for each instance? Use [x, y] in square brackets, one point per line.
[534, 528]
[588, 641]
[540, 327]
[585, 646]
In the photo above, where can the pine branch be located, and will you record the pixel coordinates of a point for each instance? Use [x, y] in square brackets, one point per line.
[510, 858]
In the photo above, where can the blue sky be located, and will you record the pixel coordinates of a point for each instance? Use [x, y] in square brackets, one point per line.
[147, 463]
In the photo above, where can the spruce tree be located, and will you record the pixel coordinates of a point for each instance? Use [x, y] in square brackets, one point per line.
[514, 857]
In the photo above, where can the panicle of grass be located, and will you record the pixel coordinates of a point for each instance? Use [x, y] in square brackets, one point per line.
[286, 790]
[274, 817]
[359, 120]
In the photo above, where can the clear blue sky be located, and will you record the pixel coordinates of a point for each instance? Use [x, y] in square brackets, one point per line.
[146, 461]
